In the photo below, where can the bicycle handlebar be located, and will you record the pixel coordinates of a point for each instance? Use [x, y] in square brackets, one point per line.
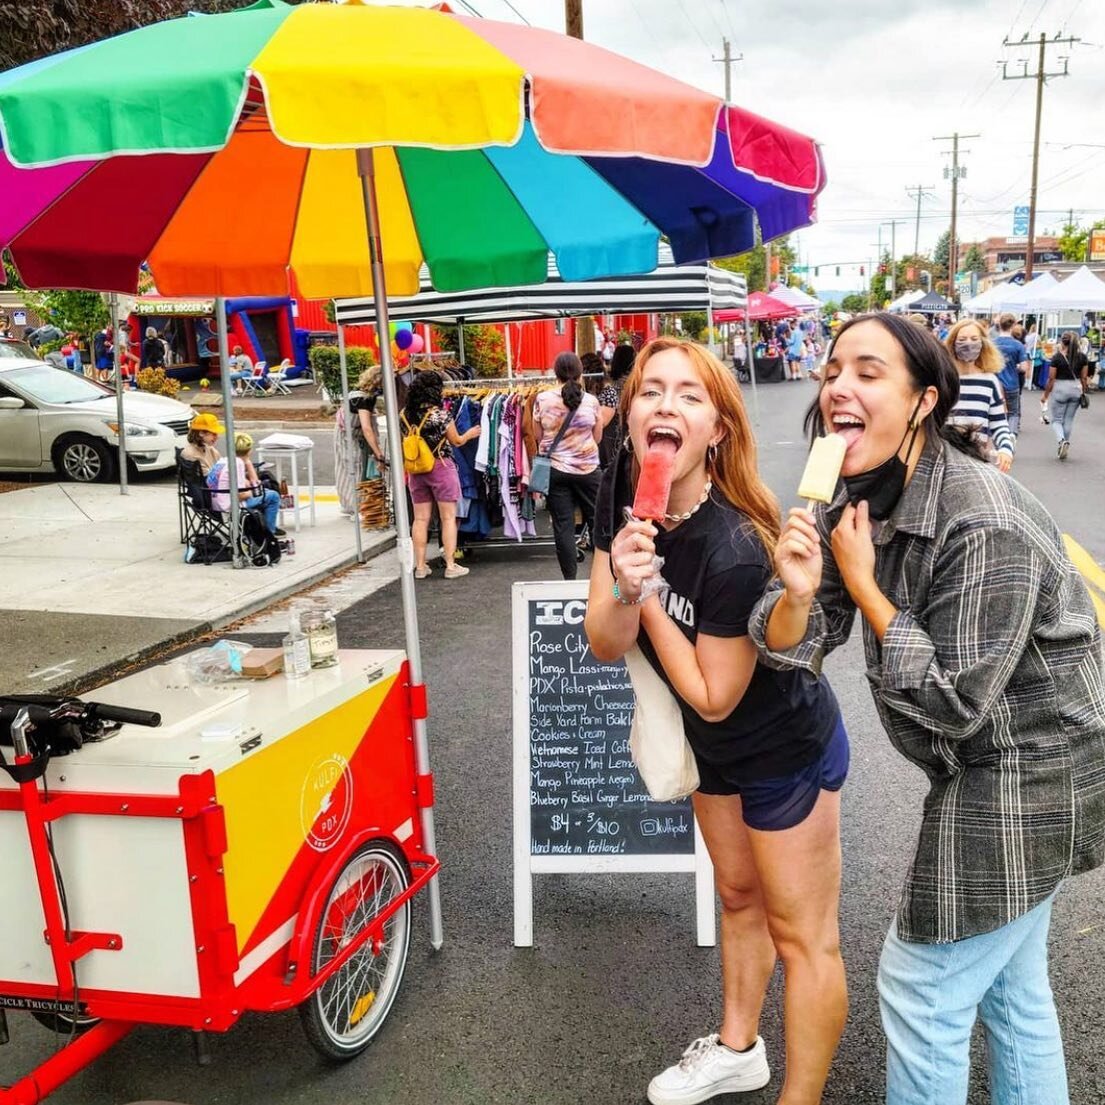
[125, 715]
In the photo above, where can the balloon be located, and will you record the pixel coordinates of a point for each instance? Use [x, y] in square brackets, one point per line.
[393, 328]
[402, 360]
[404, 339]
[416, 344]
[403, 326]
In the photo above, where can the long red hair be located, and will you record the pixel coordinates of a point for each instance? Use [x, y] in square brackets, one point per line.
[733, 469]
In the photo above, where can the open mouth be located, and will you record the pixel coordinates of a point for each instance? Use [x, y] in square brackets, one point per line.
[663, 437]
[849, 426]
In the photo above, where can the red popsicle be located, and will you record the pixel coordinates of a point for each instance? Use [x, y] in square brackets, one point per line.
[654, 485]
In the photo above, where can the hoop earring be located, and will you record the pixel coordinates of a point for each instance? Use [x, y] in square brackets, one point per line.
[711, 454]
[627, 445]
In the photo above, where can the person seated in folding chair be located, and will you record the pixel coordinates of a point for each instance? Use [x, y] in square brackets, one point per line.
[251, 492]
[241, 369]
[203, 432]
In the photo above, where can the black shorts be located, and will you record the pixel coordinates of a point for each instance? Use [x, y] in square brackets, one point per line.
[787, 800]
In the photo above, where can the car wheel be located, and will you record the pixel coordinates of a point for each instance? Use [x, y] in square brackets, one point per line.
[84, 459]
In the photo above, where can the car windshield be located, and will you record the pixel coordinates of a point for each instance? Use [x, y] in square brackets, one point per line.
[54, 385]
[18, 349]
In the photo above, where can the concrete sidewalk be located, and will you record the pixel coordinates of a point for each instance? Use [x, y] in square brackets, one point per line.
[94, 578]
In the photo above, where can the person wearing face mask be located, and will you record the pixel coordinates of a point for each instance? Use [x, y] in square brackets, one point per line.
[770, 747]
[1068, 380]
[980, 409]
[984, 658]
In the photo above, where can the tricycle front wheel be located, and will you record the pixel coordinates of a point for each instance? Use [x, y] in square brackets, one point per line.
[343, 1015]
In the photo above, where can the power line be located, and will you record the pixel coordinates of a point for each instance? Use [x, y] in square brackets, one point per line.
[694, 26]
[518, 13]
[728, 20]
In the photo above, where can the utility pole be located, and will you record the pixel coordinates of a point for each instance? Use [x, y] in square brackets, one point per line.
[1040, 76]
[573, 18]
[728, 61]
[957, 171]
[920, 190]
[893, 281]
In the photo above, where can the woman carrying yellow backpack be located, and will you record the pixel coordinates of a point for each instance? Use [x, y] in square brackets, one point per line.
[429, 436]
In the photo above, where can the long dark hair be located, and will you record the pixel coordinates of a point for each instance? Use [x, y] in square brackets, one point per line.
[426, 391]
[929, 363]
[621, 364]
[569, 368]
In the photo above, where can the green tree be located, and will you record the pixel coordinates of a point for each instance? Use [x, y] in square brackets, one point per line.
[36, 28]
[11, 276]
[941, 251]
[831, 307]
[81, 313]
[854, 303]
[974, 260]
[754, 263]
[1072, 242]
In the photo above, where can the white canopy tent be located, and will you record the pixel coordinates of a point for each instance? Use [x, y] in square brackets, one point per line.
[981, 303]
[905, 299]
[1081, 291]
[1023, 298]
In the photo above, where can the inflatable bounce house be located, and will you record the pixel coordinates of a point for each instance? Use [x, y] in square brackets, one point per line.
[264, 328]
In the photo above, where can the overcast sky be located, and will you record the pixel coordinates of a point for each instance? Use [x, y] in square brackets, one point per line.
[874, 82]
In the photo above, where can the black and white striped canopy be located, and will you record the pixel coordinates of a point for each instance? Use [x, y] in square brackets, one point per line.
[670, 287]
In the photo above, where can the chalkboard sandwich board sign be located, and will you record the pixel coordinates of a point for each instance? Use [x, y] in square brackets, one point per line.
[579, 803]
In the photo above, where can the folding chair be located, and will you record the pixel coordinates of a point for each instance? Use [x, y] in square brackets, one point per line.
[202, 527]
[256, 384]
[278, 377]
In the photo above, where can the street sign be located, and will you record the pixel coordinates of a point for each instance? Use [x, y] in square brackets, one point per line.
[799, 268]
[1020, 221]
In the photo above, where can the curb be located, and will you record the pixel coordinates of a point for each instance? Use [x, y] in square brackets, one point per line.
[97, 676]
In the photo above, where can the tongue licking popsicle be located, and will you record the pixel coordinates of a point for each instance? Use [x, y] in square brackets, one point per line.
[654, 484]
[822, 472]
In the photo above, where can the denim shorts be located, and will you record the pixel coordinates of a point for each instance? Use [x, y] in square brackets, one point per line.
[787, 800]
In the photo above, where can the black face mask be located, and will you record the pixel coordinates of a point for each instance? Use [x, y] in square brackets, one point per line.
[882, 487]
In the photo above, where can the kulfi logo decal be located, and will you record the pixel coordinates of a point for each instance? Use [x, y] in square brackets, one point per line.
[326, 802]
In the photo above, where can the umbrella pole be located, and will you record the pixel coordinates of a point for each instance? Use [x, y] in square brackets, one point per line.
[367, 170]
[751, 356]
[710, 319]
[509, 353]
[460, 340]
[228, 419]
[350, 452]
[113, 306]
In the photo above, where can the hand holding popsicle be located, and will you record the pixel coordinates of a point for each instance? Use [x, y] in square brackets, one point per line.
[822, 472]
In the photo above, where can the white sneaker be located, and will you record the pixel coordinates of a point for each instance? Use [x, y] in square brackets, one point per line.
[709, 1068]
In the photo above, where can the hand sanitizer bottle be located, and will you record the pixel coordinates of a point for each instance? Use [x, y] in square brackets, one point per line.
[297, 649]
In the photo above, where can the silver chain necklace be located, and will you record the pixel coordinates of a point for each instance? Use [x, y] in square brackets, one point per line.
[694, 509]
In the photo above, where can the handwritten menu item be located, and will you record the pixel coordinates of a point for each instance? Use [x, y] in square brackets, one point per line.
[586, 797]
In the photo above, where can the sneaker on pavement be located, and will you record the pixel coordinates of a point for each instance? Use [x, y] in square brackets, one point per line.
[423, 573]
[709, 1068]
[455, 571]
[1064, 448]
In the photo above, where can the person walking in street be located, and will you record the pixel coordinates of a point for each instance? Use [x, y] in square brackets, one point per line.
[770, 748]
[980, 409]
[574, 462]
[1011, 377]
[1068, 381]
[983, 653]
[153, 349]
[425, 414]
[795, 351]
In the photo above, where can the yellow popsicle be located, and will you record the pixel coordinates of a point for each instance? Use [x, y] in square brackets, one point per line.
[823, 469]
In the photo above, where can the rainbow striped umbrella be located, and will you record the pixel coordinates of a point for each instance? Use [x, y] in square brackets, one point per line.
[223, 150]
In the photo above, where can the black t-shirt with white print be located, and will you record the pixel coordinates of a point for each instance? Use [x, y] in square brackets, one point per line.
[716, 568]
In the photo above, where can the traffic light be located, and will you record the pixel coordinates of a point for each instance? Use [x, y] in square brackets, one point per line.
[861, 270]
[816, 270]
[838, 270]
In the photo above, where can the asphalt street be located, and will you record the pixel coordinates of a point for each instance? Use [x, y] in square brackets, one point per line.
[614, 987]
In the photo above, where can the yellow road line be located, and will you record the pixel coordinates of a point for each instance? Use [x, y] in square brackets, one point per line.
[1091, 571]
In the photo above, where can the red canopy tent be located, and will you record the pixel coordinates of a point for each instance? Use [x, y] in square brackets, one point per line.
[761, 306]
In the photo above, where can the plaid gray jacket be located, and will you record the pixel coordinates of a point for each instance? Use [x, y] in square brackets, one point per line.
[989, 678]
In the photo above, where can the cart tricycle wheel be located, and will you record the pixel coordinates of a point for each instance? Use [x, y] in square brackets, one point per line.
[65, 1024]
[343, 1015]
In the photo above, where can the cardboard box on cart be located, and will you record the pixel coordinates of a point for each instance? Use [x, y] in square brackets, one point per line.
[204, 845]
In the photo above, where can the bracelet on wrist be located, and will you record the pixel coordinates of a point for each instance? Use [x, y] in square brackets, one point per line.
[623, 600]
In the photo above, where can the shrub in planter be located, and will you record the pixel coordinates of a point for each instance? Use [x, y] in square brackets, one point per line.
[326, 366]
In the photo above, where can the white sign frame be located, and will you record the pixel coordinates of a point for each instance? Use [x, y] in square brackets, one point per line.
[526, 865]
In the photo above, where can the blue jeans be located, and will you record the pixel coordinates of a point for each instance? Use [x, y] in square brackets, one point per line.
[1065, 397]
[929, 995]
[1013, 409]
[269, 502]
